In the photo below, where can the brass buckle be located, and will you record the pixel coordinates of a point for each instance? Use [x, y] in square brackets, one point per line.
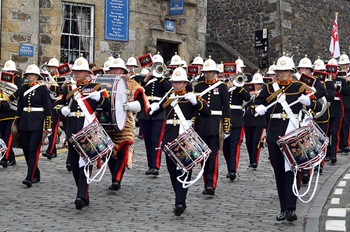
[284, 116]
[174, 122]
[78, 114]
[29, 109]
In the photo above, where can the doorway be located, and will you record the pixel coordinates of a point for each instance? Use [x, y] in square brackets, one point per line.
[167, 50]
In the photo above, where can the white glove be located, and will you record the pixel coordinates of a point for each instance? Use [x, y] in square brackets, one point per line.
[154, 107]
[191, 97]
[95, 96]
[260, 109]
[305, 100]
[48, 132]
[133, 106]
[65, 111]
[226, 135]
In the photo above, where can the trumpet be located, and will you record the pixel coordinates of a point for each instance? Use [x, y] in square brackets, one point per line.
[8, 89]
[237, 80]
[158, 70]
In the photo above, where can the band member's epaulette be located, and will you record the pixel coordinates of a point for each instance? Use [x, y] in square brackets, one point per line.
[167, 103]
[303, 87]
[273, 95]
[161, 80]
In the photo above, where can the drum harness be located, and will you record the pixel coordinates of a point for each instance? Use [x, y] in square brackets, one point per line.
[88, 119]
[293, 124]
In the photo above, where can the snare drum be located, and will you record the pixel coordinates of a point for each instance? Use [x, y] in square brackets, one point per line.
[3, 149]
[304, 147]
[92, 142]
[187, 150]
[115, 118]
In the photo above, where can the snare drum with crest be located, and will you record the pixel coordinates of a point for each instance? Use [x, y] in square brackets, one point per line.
[3, 149]
[113, 119]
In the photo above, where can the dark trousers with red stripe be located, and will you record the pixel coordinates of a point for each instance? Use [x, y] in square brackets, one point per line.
[344, 131]
[180, 192]
[284, 180]
[78, 173]
[210, 175]
[152, 133]
[252, 139]
[232, 148]
[51, 148]
[5, 134]
[31, 142]
[333, 134]
[117, 165]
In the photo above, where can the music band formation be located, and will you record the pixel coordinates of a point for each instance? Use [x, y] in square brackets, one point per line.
[187, 112]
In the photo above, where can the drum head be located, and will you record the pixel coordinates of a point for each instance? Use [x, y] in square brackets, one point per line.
[106, 81]
[119, 97]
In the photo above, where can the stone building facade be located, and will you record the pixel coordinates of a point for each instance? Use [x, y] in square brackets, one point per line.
[40, 23]
[296, 27]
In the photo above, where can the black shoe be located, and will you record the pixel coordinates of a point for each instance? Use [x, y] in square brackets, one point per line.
[11, 163]
[232, 175]
[179, 209]
[327, 158]
[79, 203]
[253, 165]
[27, 182]
[45, 154]
[305, 178]
[54, 155]
[281, 216]
[140, 136]
[69, 168]
[346, 150]
[291, 216]
[3, 163]
[36, 180]
[149, 171]
[114, 186]
[209, 191]
[155, 172]
[333, 160]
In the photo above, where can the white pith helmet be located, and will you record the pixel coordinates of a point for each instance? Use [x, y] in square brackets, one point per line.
[175, 60]
[179, 74]
[305, 63]
[198, 60]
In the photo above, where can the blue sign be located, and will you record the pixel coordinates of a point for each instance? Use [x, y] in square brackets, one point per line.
[176, 7]
[26, 50]
[169, 25]
[117, 20]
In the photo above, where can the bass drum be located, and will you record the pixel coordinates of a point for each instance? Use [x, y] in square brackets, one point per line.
[113, 119]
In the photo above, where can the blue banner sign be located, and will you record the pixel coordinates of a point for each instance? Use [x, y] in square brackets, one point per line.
[117, 20]
[26, 50]
[176, 7]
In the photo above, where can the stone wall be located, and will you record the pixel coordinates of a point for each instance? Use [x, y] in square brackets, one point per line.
[296, 27]
[38, 22]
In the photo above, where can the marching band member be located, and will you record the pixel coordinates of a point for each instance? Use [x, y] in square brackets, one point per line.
[55, 91]
[8, 114]
[283, 119]
[124, 139]
[217, 97]
[254, 126]
[152, 128]
[76, 110]
[232, 145]
[198, 60]
[34, 111]
[188, 106]
[305, 67]
[323, 120]
[270, 72]
[344, 64]
[337, 113]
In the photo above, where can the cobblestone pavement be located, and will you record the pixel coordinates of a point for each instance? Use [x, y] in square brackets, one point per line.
[146, 203]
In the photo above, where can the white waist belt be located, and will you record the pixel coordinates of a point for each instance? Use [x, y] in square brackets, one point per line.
[235, 107]
[153, 98]
[76, 114]
[216, 112]
[177, 122]
[337, 98]
[282, 115]
[32, 109]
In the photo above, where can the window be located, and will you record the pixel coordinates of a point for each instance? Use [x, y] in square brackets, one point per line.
[77, 34]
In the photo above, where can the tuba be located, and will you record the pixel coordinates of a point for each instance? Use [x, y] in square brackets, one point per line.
[158, 70]
[8, 89]
[239, 80]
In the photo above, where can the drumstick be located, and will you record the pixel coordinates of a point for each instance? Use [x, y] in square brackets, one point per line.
[88, 96]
